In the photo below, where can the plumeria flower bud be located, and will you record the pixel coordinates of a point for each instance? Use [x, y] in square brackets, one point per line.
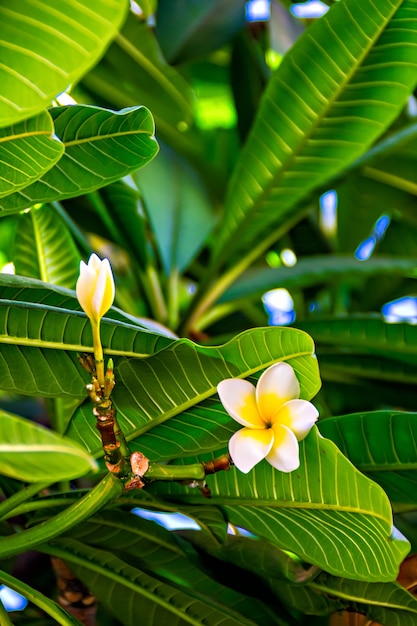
[95, 287]
[273, 416]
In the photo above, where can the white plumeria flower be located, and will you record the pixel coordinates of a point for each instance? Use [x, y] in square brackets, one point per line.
[273, 416]
[95, 287]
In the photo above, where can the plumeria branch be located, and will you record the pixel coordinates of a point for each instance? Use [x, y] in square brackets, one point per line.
[95, 293]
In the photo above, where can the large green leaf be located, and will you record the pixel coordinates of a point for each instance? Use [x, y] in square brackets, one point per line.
[384, 603]
[335, 92]
[314, 270]
[189, 29]
[42, 329]
[145, 77]
[364, 335]
[157, 551]
[141, 597]
[179, 210]
[27, 150]
[45, 249]
[153, 390]
[326, 511]
[33, 453]
[45, 49]
[382, 444]
[101, 146]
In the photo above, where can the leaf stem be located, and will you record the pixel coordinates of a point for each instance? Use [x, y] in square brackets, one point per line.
[106, 490]
[211, 290]
[50, 607]
[21, 496]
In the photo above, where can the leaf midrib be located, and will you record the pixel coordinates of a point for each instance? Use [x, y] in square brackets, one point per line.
[233, 501]
[267, 190]
[196, 399]
[76, 142]
[322, 588]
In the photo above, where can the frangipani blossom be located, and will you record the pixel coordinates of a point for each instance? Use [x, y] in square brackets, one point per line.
[95, 292]
[95, 287]
[273, 416]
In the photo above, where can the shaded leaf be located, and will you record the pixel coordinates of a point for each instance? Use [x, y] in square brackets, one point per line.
[145, 76]
[141, 597]
[45, 249]
[315, 270]
[179, 210]
[367, 334]
[101, 146]
[388, 604]
[307, 511]
[189, 29]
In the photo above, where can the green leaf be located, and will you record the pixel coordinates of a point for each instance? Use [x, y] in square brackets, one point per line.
[338, 88]
[315, 270]
[45, 50]
[107, 490]
[383, 445]
[101, 146]
[308, 511]
[57, 613]
[159, 553]
[141, 597]
[365, 334]
[145, 77]
[45, 249]
[153, 390]
[27, 150]
[42, 330]
[254, 555]
[179, 210]
[385, 603]
[189, 29]
[33, 453]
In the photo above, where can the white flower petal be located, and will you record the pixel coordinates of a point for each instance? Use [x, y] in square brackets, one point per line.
[85, 286]
[104, 291]
[298, 415]
[94, 262]
[277, 385]
[238, 398]
[284, 454]
[249, 446]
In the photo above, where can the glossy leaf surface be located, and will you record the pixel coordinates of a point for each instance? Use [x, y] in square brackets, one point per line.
[28, 149]
[382, 444]
[45, 249]
[101, 146]
[33, 453]
[317, 114]
[45, 50]
[185, 374]
[42, 329]
[307, 511]
[179, 210]
[141, 596]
